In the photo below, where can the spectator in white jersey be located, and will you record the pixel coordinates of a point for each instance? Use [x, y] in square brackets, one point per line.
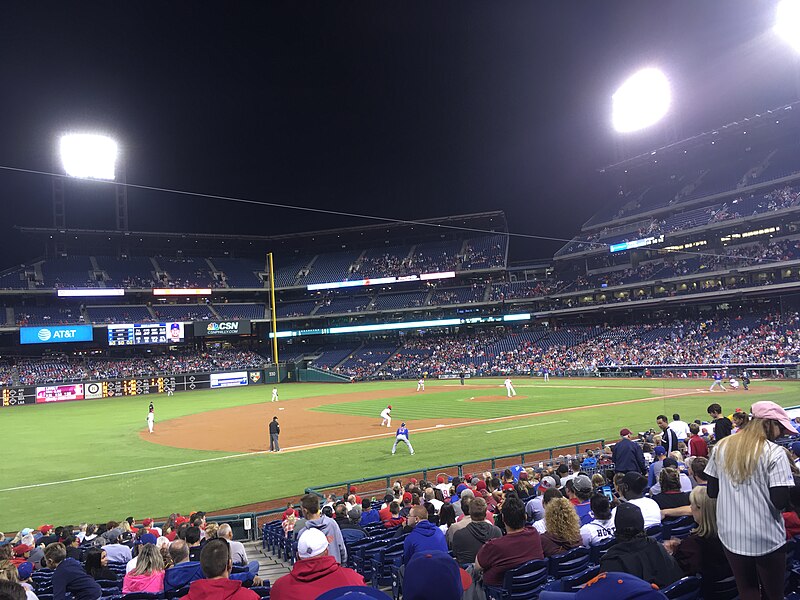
[602, 528]
[751, 476]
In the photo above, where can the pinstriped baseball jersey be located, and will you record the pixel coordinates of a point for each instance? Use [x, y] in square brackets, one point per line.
[748, 523]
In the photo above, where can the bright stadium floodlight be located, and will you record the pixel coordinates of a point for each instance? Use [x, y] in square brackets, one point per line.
[787, 22]
[641, 101]
[88, 156]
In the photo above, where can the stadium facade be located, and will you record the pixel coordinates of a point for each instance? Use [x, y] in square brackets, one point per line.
[697, 247]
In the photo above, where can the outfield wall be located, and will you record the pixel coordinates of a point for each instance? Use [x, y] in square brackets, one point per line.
[133, 386]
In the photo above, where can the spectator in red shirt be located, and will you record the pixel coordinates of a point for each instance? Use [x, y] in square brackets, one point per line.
[519, 545]
[697, 445]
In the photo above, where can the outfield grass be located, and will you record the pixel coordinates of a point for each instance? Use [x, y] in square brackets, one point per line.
[68, 441]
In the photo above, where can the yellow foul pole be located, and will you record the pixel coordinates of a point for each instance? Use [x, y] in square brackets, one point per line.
[273, 310]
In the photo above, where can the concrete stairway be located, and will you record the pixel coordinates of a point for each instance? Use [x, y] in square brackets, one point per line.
[271, 568]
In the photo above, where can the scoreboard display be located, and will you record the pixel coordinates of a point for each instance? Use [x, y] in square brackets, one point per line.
[135, 334]
[137, 386]
[16, 397]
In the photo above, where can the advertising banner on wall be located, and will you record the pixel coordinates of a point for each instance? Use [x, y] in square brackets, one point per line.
[55, 334]
[221, 380]
[212, 328]
[59, 393]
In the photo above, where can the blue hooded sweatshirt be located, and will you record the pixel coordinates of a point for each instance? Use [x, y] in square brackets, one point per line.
[185, 573]
[424, 536]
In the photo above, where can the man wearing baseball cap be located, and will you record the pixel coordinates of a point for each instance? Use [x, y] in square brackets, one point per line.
[534, 509]
[582, 494]
[620, 586]
[659, 454]
[637, 554]
[315, 571]
[627, 454]
[796, 453]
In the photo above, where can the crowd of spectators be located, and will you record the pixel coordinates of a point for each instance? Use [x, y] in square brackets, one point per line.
[475, 254]
[777, 199]
[55, 369]
[722, 340]
[441, 354]
[126, 558]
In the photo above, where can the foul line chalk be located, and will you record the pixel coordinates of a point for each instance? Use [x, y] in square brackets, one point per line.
[526, 426]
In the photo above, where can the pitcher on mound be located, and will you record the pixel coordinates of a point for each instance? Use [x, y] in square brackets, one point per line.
[509, 388]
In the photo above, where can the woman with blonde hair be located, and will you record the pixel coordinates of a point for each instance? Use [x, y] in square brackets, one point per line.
[211, 530]
[750, 475]
[702, 553]
[563, 527]
[148, 575]
[8, 571]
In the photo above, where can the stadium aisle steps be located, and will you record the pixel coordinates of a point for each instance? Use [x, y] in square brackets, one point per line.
[270, 568]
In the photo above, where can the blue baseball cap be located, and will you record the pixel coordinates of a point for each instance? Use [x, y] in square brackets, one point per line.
[24, 571]
[613, 584]
[659, 450]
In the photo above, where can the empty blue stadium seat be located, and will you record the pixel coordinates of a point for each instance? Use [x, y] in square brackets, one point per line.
[524, 582]
[687, 588]
[571, 562]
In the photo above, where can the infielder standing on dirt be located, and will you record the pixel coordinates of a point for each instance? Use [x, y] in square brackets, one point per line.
[402, 436]
[274, 394]
[421, 385]
[386, 415]
[150, 417]
[509, 388]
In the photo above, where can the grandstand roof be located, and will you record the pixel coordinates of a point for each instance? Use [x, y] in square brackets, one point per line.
[760, 125]
[467, 225]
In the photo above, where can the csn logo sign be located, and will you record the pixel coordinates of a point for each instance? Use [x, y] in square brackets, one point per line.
[221, 328]
[55, 335]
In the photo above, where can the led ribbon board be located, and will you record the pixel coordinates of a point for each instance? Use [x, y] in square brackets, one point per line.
[399, 326]
[380, 281]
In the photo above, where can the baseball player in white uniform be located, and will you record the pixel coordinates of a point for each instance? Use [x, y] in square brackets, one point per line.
[386, 415]
[421, 385]
[509, 388]
[274, 394]
[150, 418]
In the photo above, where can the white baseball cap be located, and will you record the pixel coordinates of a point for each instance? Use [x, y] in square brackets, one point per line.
[312, 543]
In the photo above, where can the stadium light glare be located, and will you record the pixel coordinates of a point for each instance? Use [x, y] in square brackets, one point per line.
[641, 101]
[787, 22]
[88, 156]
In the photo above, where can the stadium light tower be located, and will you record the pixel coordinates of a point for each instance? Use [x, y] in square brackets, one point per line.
[90, 156]
[641, 101]
[787, 22]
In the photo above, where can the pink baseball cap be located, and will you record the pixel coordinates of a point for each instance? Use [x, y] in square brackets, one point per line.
[770, 410]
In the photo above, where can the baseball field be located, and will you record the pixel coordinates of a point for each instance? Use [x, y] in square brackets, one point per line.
[94, 460]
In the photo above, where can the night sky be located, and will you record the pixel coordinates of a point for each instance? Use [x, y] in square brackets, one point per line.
[408, 110]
